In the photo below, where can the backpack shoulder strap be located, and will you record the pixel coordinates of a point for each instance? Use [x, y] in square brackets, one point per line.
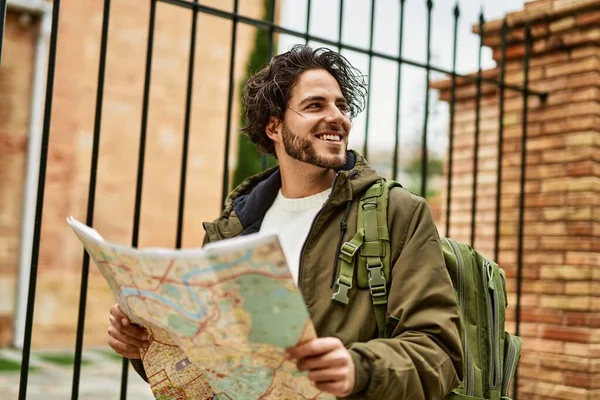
[372, 243]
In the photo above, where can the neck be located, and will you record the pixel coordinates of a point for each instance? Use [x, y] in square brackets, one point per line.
[299, 179]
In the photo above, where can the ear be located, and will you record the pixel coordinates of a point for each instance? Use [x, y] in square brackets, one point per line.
[273, 129]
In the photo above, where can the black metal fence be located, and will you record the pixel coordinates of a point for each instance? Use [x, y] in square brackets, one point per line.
[195, 7]
[3, 7]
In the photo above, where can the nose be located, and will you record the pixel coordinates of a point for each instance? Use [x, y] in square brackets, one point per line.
[335, 115]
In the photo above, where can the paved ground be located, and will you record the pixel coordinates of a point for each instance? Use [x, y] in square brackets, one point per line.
[51, 376]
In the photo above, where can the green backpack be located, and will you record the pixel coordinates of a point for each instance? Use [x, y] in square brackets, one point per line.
[491, 354]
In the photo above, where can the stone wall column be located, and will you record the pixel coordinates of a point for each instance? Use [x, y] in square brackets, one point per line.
[560, 302]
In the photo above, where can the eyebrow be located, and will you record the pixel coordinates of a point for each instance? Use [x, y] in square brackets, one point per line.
[321, 98]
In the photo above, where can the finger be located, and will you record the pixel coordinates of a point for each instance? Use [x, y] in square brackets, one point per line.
[332, 359]
[328, 375]
[126, 350]
[122, 337]
[115, 310]
[313, 348]
[120, 316]
[132, 330]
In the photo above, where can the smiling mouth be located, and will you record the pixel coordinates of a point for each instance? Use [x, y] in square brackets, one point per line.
[330, 137]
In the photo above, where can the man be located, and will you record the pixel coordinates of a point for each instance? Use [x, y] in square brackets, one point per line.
[299, 109]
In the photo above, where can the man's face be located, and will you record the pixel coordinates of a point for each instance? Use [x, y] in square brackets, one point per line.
[316, 126]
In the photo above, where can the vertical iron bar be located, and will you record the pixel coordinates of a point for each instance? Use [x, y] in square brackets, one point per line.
[230, 102]
[3, 8]
[477, 123]
[272, 5]
[91, 200]
[528, 44]
[35, 249]
[503, 34]
[370, 67]
[398, 95]
[424, 155]
[341, 26]
[307, 32]
[452, 115]
[186, 129]
[141, 157]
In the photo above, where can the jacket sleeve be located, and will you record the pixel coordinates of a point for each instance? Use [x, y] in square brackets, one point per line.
[423, 357]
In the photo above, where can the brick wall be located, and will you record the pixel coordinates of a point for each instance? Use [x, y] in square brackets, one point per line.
[71, 136]
[15, 99]
[561, 264]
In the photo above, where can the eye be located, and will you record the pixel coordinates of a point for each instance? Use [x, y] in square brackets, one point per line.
[313, 106]
[343, 108]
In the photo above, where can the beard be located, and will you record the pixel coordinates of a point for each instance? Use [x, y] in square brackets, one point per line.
[302, 149]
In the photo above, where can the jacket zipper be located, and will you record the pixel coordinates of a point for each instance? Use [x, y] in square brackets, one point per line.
[510, 363]
[312, 225]
[469, 388]
[492, 308]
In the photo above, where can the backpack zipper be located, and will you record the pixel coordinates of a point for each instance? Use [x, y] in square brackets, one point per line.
[510, 363]
[493, 311]
[469, 388]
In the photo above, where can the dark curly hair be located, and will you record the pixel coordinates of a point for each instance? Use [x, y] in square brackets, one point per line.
[267, 92]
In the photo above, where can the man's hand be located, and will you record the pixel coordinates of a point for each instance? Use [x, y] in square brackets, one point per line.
[328, 363]
[124, 337]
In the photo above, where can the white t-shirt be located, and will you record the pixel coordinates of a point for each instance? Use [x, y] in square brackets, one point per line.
[291, 219]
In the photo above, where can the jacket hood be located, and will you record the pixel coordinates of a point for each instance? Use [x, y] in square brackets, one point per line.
[247, 204]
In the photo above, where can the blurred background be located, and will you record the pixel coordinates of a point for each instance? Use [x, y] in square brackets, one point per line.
[499, 129]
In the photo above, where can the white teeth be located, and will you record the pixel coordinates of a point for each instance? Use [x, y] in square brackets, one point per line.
[332, 138]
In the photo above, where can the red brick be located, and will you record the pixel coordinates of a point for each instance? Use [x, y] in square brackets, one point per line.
[579, 288]
[583, 52]
[571, 68]
[589, 18]
[583, 80]
[566, 334]
[585, 259]
[591, 320]
[582, 350]
[575, 124]
[560, 392]
[581, 168]
[581, 229]
[545, 60]
[562, 24]
[582, 36]
[575, 93]
[581, 199]
[581, 243]
[543, 286]
[563, 362]
[578, 303]
[580, 380]
[543, 345]
[540, 315]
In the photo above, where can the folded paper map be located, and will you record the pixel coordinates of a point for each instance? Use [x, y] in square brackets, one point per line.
[219, 317]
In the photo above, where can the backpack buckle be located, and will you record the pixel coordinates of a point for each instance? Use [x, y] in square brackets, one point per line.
[342, 293]
[347, 251]
[377, 285]
[376, 277]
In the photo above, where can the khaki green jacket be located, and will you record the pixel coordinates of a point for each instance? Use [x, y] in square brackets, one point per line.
[423, 358]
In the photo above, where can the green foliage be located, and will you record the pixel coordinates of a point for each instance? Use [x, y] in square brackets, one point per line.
[249, 159]
[435, 168]
[7, 365]
[61, 359]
